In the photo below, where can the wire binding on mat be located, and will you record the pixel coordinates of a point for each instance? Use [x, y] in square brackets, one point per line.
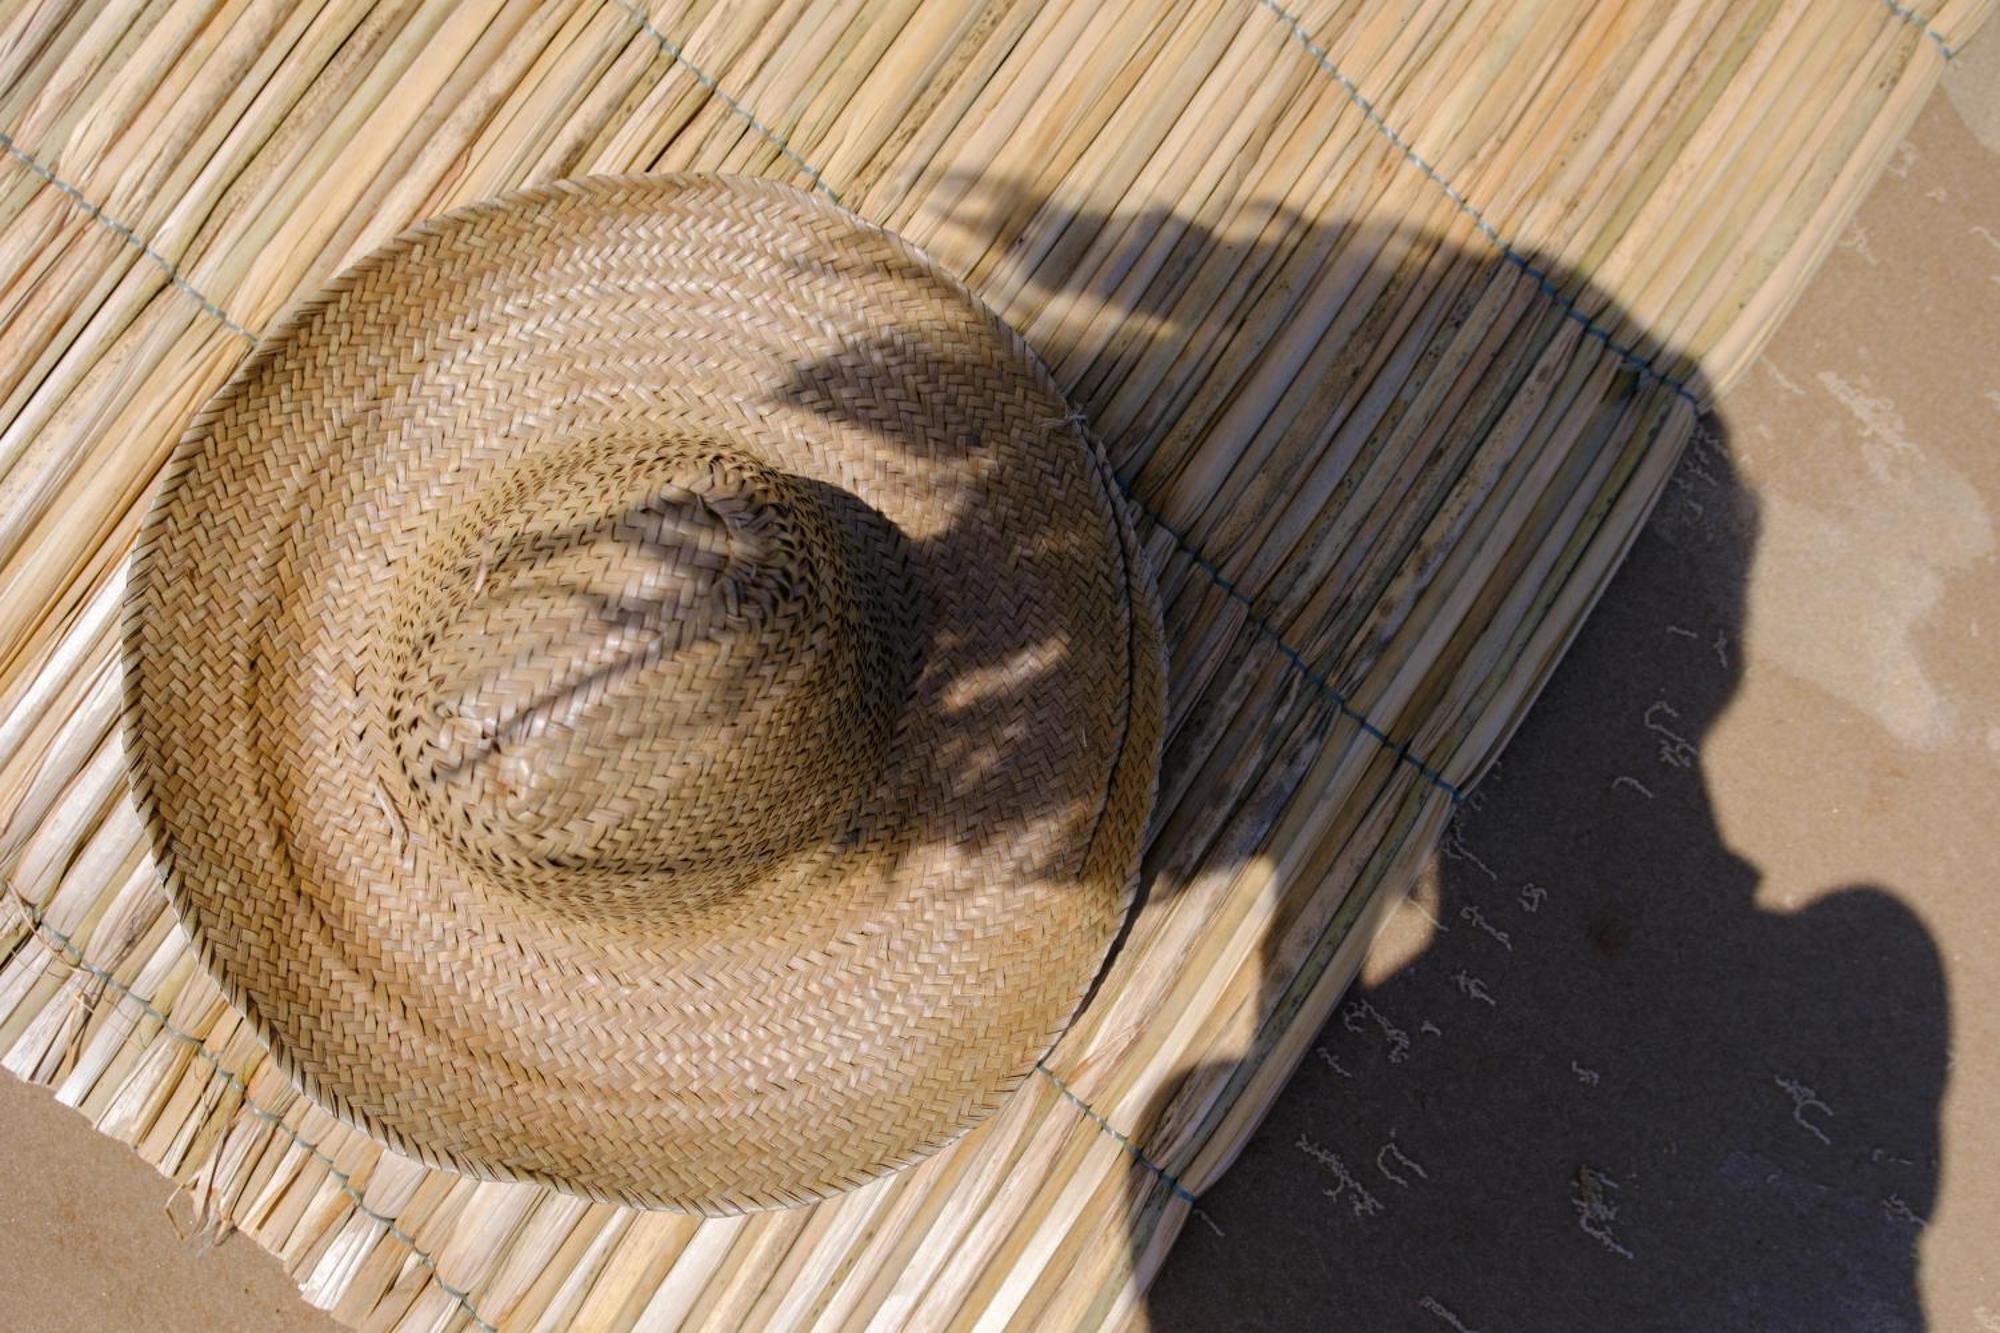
[1923, 25]
[1625, 352]
[1172, 1182]
[707, 80]
[63, 947]
[123, 232]
[1292, 655]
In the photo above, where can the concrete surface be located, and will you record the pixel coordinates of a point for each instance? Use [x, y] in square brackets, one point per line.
[1727, 1067]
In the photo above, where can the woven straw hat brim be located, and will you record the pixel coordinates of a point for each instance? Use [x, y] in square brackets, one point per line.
[812, 857]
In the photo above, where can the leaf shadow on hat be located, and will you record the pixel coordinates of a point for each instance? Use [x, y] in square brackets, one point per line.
[1439, 1153]
[989, 722]
[683, 595]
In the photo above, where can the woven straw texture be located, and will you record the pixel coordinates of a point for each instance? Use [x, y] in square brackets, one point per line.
[641, 686]
[1391, 318]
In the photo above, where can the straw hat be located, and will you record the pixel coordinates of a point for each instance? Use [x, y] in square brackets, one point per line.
[641, 686]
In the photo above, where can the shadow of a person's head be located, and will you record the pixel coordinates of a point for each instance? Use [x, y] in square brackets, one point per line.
[1589, 1080]
[1597, 1076]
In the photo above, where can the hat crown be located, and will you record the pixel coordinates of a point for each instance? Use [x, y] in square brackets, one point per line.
[636, 679]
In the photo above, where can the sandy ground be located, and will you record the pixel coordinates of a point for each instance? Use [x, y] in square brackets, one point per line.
[1692, 1025]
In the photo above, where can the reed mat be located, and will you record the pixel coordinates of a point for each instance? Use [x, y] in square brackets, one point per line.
[1392, 316]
